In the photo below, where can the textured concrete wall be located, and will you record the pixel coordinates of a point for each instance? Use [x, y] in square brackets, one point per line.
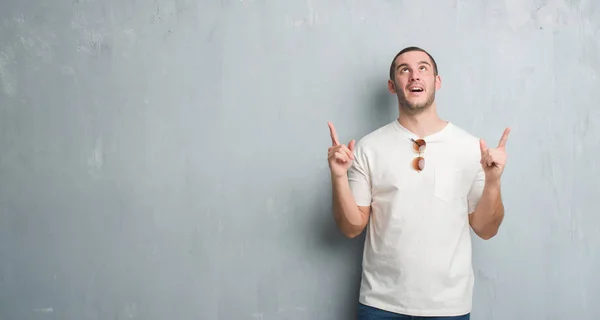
[167, 159]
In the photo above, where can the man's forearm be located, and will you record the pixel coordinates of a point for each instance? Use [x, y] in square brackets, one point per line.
[489, 213]
[349, 218]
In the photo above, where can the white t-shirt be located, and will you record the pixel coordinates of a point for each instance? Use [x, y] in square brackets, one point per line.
[417, 254]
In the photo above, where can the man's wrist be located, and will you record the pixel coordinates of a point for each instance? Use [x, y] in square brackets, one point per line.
[339, 178]
[493, 184]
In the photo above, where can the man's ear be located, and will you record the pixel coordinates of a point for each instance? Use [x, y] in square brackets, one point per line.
[438, 82]
[391, 86]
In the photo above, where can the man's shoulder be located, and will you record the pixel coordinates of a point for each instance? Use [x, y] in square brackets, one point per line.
[462, 135]
[464, 143]
[462, 138]
[377, 137]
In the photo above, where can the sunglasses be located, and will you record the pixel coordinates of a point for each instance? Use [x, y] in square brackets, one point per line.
[418, 163]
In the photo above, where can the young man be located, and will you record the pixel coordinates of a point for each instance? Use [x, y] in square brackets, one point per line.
[422, 183]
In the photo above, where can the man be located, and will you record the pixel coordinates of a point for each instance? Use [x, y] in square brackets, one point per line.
[422, 183]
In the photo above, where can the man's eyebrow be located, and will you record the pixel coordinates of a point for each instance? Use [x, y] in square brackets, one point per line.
[406, 65]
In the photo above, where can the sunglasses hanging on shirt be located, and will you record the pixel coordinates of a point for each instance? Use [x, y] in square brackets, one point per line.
[418, 163]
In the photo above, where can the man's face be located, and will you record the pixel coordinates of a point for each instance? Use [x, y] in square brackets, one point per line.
[415, 81]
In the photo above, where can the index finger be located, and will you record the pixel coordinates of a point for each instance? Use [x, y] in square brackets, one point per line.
[333, 134]
[504, 138]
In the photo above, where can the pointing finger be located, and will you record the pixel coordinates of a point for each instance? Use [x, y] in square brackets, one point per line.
[333, 134]
[504, 138]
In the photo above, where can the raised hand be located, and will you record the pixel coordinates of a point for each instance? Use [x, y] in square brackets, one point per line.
[340, 156]
[493, 160]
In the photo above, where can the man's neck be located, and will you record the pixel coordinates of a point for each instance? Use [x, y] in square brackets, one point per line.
[422, 124]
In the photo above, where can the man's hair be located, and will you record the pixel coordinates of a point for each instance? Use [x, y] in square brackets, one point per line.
[409, 49]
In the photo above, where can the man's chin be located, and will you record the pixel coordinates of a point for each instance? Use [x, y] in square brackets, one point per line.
[414, 109]
[419, 107]
[416, 105]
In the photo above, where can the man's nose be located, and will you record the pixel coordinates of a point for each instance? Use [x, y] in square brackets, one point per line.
[414, 76]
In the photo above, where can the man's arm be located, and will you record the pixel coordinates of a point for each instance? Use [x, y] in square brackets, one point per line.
[489, 213]
[350, 218]
[345, 170]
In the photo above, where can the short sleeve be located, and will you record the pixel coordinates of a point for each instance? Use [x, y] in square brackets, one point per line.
[359, 179]
[476, 190]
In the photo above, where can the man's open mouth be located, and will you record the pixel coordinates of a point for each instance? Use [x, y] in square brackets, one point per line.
[416, 89]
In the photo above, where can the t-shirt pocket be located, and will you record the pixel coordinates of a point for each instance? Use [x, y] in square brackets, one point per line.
[448, 184]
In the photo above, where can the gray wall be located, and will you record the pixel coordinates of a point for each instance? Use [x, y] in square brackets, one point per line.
[167, 159]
